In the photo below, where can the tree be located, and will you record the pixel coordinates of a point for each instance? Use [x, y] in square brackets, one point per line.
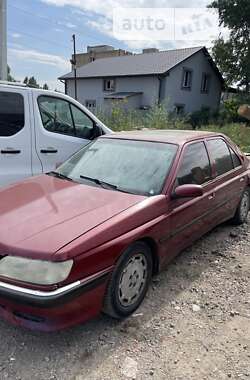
[45, 86]
[10, 77]
[26, 80]
[233, 55]
[32, 83]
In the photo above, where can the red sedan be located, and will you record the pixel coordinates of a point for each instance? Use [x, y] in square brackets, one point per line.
[88, 237]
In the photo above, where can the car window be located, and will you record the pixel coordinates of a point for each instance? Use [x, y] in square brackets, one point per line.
[11, 113]
[139, 167]
[220, 153]
[235, 158]
[84, 126]
[195, 167]
[56, 115]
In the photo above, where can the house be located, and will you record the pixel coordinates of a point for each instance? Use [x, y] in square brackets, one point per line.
[98, 52]
[185, 80]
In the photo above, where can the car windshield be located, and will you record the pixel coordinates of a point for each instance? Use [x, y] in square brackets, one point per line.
[138, 167]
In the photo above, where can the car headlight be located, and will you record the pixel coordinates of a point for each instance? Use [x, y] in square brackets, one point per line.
[35, 271]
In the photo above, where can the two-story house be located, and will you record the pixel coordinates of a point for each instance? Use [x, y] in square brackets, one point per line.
[184, 80]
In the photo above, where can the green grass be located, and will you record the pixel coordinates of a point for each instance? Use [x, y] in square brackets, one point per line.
[237, 132]
[159, 118]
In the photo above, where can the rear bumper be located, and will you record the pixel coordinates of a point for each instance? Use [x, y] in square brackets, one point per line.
[61, 308]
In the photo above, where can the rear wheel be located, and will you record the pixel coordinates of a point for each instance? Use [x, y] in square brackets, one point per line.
[241, 213]
[129, 282]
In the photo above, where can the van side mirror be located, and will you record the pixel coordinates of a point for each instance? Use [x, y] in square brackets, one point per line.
[188, 191]
[97, 131]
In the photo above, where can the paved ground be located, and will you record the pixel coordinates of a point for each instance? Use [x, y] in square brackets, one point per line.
[194, 324]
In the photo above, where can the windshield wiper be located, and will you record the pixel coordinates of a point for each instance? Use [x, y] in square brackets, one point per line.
[60, 175]
[106, 184]
[99, 182]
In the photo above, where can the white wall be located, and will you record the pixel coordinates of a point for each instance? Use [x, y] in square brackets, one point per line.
[193, 99]
[90, 89]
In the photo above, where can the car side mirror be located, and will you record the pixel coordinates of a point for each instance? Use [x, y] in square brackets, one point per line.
[188, 191]
[97, 131]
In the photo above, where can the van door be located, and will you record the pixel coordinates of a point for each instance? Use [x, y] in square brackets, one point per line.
[61, 129]
[15, 135]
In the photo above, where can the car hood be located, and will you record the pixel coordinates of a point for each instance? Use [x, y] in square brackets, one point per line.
[42, 214]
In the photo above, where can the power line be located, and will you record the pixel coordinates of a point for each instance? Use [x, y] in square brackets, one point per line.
[51, 42]
[53, 21]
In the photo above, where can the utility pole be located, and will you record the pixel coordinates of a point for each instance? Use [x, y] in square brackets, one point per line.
[3, 40]
[73, 61]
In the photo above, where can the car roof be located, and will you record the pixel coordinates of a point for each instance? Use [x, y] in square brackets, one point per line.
[178, 137]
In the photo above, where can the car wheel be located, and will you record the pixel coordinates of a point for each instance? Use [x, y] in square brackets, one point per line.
[129, 282]
[241, 214]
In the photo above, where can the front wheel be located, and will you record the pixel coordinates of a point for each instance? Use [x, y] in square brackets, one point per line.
[129, 282]
[242, 210]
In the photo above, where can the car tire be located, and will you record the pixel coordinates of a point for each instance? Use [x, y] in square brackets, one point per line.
[242, 210]
[129, 282]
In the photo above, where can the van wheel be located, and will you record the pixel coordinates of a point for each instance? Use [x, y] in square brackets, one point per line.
[129, 282]
[241, 213]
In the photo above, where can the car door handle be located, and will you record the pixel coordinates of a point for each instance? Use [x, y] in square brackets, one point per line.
[242, 179]
[211, 196]
[49, 150]
[10, 151]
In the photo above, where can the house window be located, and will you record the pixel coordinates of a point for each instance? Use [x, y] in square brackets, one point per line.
[205, 82]
[109, 85]
[187, 79]
[90, 104]
[179, 109]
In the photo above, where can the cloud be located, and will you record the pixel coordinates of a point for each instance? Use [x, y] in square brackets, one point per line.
[67, 24]
[105, 8]
[38, 57]
[100, 17]
[16, 35]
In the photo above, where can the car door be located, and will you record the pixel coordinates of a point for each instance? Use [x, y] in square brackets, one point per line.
[190, 218]
[229, 177]
[61, 129]
[15, 135]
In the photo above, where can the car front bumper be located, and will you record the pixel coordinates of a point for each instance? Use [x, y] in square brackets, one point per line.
[53, 310]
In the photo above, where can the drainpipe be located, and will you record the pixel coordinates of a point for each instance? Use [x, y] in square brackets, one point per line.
[161, 92]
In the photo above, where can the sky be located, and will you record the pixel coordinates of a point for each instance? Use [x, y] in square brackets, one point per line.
[40, 33]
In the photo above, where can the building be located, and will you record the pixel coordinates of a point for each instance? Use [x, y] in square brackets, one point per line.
[98, 52]
[186, 80]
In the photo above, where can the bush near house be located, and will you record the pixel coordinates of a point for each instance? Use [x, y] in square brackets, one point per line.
[226, 121]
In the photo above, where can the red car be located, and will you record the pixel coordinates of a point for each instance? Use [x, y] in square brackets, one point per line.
[88, 237]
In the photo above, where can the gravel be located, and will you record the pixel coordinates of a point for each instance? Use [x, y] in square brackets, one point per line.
[194, 324]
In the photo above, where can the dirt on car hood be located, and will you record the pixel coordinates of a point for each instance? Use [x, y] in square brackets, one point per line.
[43, 214]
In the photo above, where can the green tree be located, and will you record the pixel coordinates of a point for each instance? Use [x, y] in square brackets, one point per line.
[26, 80]
[233, 55]
[32, 82]
[45, 86]
[10, 77]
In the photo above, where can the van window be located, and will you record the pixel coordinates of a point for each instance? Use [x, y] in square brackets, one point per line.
[195, 167]
[83, 124]
[221, 155]
[56, 115]
[11, 113]
[60, 116]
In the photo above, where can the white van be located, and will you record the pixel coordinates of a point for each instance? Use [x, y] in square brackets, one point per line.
[40, 129]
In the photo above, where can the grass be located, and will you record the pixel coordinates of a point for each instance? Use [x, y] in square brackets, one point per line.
[158, 118]
[237, 132]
